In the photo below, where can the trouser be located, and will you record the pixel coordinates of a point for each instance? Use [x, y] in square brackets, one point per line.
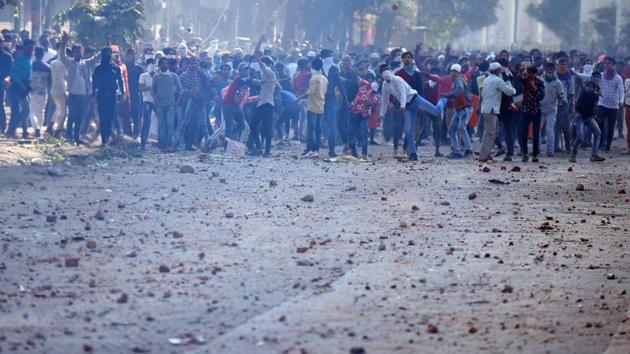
[397, 127]
[550, 132]
[134, 111]
[77, 107]
[234, 121]
[561, 129]
[313, 130]
[491, 130]
[90, 115]
[608, 117]
[411, 111]
[107, 114]
[262, 123]
[38, 110]
[61, 110]
[627, 109]
[506, 120]
[358, 132]
[191, 125]
[147, 111]
[459, 124]
[590, 124]
[343, 122]
[166, 125]
[303, 120]
[529, 118]
[330, 118]
[20, 105]
[3, 113]
[218, 111]
[620, 123]
[286, 117]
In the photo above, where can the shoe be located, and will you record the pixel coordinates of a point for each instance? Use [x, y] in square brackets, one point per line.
[79, 142]
[549, 154]
[190, 148]
[266, 155]
[507, 158]
[597, 158]
[438, 154]
[413, 157]
[487, 159]
[374, 143]
[500, 152]
[626, 153]
[525, 158]
[454, 155]
[535, 159]
[573, 158]
[558, 150]
[332, 155]
[520, 154]
[468, 153]
[37, 133]
[25, 135]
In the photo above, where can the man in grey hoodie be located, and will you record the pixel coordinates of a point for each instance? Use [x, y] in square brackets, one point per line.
[554, 94]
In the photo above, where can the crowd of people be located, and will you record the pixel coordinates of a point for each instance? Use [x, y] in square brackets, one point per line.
[347, 102]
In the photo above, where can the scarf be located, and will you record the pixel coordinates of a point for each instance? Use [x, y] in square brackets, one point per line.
[410, 70]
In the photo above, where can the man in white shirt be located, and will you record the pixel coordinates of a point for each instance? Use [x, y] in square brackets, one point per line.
[58, 93]
[145, 84]
[410, 104]
[262, 117]
[493, 87]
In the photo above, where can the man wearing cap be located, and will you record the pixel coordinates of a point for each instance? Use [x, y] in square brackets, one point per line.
[410, 103]
[462, 105]
[493, 87]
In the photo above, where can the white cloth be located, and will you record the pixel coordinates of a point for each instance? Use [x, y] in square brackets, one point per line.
[38, 109]
[493, 87]
[49, 54]
[147, 80]
[328, 63]
[267, 86]
[59, 77]
[398, 88]
[79, 85]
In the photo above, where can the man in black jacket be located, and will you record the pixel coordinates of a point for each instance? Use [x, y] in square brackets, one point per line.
[585, 108]
[107, 86]
[6, 60]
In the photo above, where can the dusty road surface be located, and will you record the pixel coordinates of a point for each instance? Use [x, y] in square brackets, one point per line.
[118, 252]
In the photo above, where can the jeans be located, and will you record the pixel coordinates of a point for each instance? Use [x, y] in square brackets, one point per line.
[530, 118]
[38, 110]
[147, 110]
[166, 125]
[262, 123]
[506, 120]
[286, 117]
[358, 132]
[313, 130]
[608, 117]
[590, 124]
[20, 106]
[627, 112]
[3, 113]
[411, 111]
[136, 103]
[106, 103]
[77, 107]
[343, 121]
[331, 122]
[397, 127]
[459, 124]
[563, 122]
[191, 125]
[550, 133]
[234, 121]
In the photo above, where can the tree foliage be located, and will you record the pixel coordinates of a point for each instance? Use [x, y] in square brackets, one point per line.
[448, 19]
[12, 3]
[95, 24]
[562, 17]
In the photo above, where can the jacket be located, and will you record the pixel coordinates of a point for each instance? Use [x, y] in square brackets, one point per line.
[492, 88]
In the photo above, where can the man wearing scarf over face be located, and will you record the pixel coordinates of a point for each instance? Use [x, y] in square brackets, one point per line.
[107, 85]
[410, 104]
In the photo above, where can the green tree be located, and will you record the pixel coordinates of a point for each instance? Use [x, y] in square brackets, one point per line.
[96, 24]
[448, 19]
[604, 23]
[562, 17]
[12, 3]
